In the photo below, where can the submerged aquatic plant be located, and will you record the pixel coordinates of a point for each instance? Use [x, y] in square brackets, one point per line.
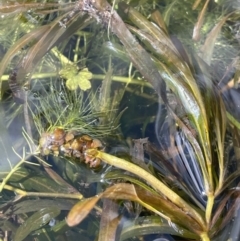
[70, 110]
[190, 187]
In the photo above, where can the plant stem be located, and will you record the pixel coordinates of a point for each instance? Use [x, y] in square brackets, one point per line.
[209, 207]
[3, 183]
[43, 194]
[23, 193]
[205, 237]
[120, 79]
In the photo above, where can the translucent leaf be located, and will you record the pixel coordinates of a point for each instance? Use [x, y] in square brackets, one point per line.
[208, 47]
[40, 48]
[38, 182]
[196, 3]
[183, 84]
[26, 39]
[28, 206]
[145, 25]
[138, 55]
[51, 37]
[168, 12]
[5, 149]
[116, 50]
[36, 221]
[157, 18]
[199, 23]
[7, 9]
[149, 225]
[193, 104]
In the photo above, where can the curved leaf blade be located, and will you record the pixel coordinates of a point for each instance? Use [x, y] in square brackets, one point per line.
[34, 35]
[36, 221]
[149, 225]
[81, 210]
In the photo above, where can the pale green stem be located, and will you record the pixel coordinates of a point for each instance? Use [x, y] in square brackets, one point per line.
[10, 174]
[210, 195]
[23, 193]
[43, 194]
[220, 180]
[209, 207]
[205, 237]
[94, 76]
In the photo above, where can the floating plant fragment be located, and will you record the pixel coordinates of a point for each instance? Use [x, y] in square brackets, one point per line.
[81, 80]
[76, 79]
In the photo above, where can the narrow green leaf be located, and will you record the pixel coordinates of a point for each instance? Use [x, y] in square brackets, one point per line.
[36, 221]
[152, 224]
[193, 111]
[196, 109]
[38, 182]
[18, 7]
[142, 23]
[234, 121]
[219, 210]
[208, 47]
[199, 23]
[220, 119]
[196, 3]
[39, 49]
[168, 12]
[33, 205]
[158, 19]
[162, 51]
[34, 35]
[229, 180]
[116, 50]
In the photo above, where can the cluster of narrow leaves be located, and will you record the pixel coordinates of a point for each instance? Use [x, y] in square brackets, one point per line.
[199, 142]
[190, 187]
[40, 40]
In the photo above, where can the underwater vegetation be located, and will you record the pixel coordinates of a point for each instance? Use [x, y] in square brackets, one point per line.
[120, 120]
